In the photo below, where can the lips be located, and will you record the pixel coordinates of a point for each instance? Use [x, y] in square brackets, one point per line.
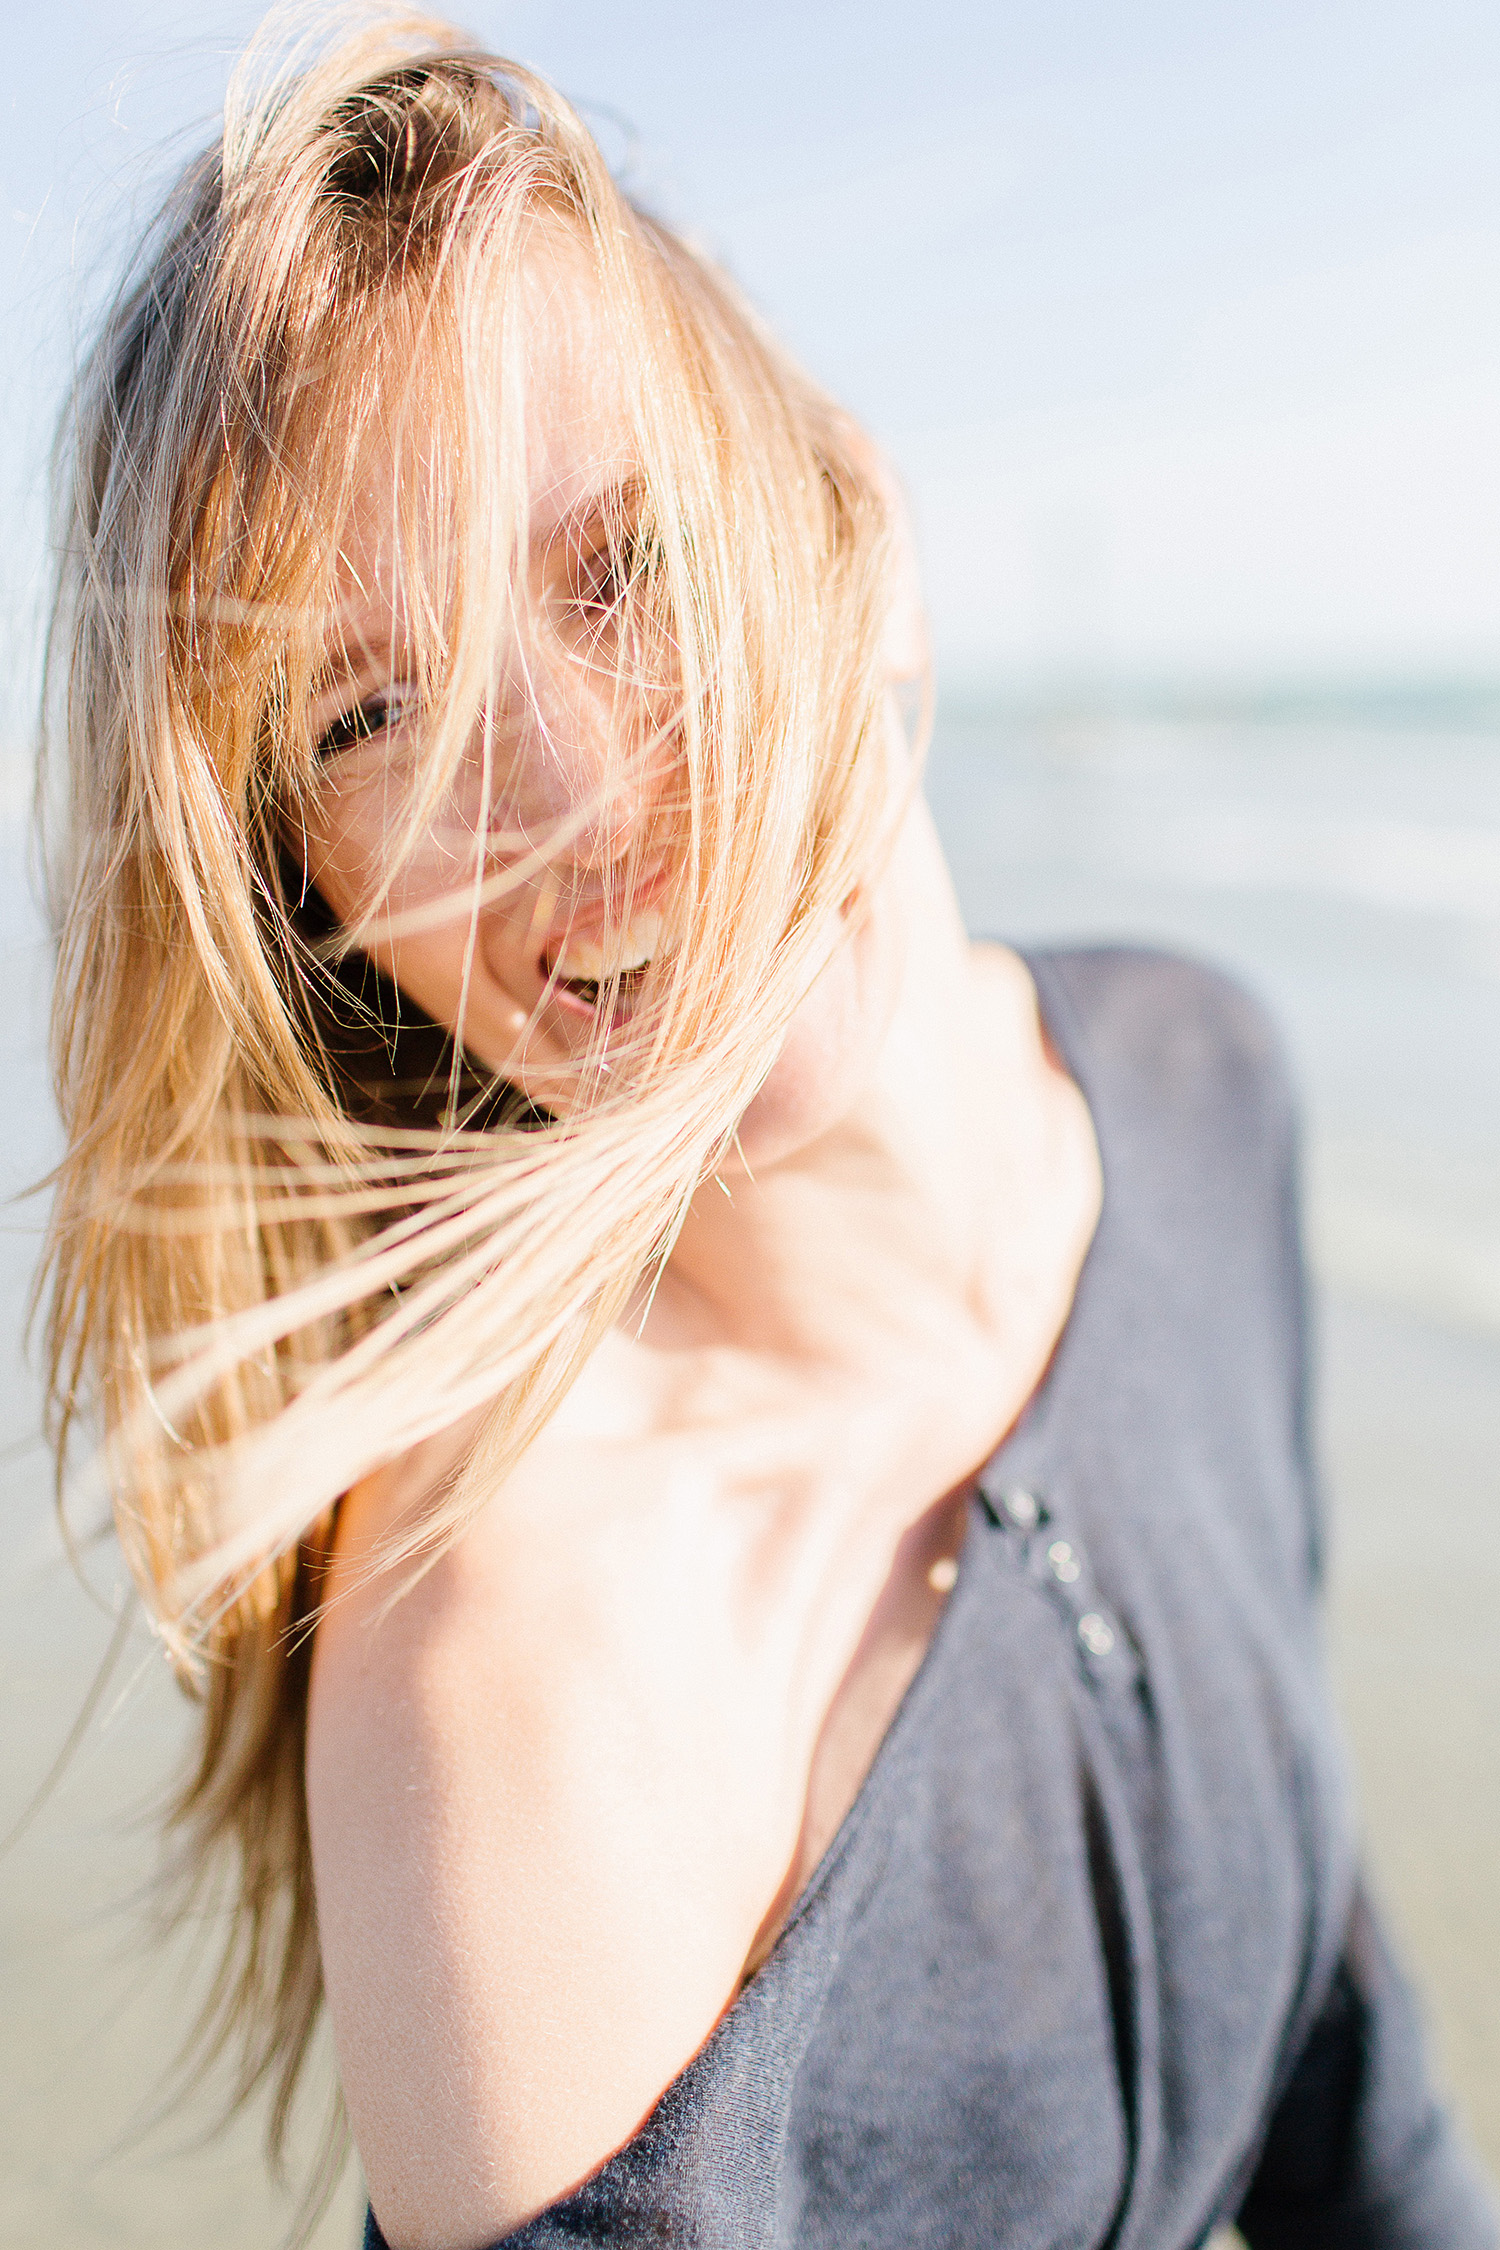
[606, 963]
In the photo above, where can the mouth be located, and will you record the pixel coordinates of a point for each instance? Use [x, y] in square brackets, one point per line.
[588, 974]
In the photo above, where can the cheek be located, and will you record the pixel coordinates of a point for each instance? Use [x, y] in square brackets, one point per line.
[495, 984]
[347, 835]
[347, 841]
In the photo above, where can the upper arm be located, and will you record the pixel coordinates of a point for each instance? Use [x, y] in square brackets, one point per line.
[503, 1897]
[1359, 2155]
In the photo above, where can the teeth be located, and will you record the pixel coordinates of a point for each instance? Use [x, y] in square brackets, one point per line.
[585, 960]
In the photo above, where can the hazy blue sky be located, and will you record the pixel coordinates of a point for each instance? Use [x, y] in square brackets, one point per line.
[1182, 319]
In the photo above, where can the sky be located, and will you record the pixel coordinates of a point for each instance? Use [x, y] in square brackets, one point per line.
[1179, 319]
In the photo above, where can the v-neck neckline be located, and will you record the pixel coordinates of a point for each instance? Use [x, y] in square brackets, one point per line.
[1062, 1027]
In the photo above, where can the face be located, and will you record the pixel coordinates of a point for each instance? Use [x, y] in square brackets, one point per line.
[528, 901]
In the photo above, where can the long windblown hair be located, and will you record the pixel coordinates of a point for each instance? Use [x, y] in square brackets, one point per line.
[298, 1228]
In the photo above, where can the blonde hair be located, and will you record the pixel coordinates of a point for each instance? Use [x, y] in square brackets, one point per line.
[270, 1272]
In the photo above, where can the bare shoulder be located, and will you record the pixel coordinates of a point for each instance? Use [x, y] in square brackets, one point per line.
[496, 1907]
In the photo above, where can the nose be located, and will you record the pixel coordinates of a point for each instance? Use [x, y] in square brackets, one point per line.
[584, 770]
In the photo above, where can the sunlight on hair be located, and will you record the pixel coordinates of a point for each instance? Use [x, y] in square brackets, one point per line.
[299, 1228]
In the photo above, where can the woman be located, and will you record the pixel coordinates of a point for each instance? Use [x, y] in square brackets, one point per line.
[729, 1467]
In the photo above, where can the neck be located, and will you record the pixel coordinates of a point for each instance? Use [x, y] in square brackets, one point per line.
[832, 1250]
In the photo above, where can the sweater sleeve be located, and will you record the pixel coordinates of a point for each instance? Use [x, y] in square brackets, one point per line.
[1360, 2155]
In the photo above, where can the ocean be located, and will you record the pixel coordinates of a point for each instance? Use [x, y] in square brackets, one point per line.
[1348, 869]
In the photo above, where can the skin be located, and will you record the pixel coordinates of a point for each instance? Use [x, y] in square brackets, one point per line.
[564, 1792]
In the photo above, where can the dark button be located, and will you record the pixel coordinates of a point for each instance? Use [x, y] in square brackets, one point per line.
[1012, 1504]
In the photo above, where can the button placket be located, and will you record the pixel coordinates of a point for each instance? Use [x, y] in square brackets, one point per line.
[1054, 1558]
[1063, 1562]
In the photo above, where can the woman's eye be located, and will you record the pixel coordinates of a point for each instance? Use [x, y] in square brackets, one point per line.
[362, 723]
[608, 571]
[601, 583]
